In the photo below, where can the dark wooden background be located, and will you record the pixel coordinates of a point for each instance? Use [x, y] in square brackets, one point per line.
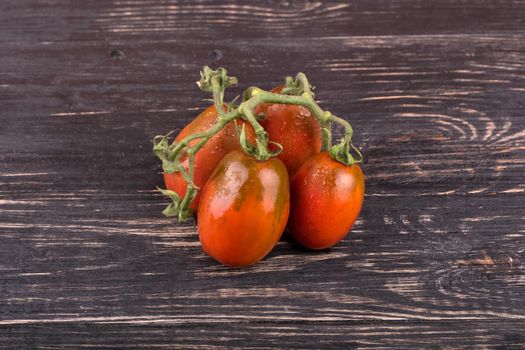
[434, 89]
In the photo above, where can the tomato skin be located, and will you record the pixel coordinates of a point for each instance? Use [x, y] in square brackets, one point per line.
[209, 155]
[326, 198]
[295, 128]
[244, 209]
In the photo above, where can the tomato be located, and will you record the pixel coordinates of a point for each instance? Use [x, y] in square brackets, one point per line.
[295, 128]
[209, 155]
[326, 197]
[244, 208]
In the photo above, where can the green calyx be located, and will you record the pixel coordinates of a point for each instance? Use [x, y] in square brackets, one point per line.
[342, 152]
[208, 74]
[296, 91]
[297, 86]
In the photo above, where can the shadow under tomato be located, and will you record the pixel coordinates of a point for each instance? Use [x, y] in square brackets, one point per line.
[288, 238]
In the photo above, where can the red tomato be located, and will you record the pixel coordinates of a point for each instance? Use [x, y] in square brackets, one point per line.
[295, 128]
[209, 155]
[244, 208]
[326, 197]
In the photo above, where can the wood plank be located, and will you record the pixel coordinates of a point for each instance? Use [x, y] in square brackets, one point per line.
[271, 335]
[33, 20]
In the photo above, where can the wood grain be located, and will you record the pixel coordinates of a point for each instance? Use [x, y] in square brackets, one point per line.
[435, 92]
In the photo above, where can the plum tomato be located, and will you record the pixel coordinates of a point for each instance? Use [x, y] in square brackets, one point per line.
[295, 128]
[210, 155]
[326, 198]
[244, 209]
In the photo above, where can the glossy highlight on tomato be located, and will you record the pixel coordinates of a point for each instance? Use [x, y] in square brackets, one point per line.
[244, 209]
[210, 155]
[295, 128]
[326, 198]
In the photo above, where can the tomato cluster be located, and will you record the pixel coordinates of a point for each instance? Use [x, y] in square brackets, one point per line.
[245, 204]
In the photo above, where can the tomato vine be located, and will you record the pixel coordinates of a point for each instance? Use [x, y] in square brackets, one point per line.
[297, 91]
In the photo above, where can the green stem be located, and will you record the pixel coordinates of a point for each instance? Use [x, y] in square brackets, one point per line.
[346, 125]
[305, 100]
[247, 109]
[218, 94]
[304, 84]
[205, 136]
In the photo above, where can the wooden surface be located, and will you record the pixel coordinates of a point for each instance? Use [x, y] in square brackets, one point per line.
[434, 89]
